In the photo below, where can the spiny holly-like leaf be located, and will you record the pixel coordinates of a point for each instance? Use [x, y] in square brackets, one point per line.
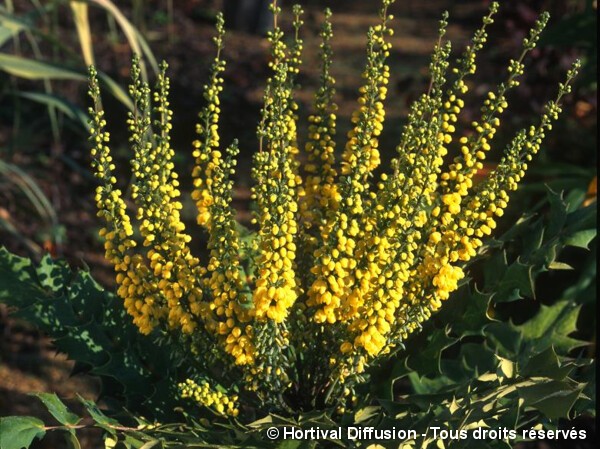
[58, 409]
[581, 219]
[477, 359]
[506, 368]
[583, 290]
[581, 239]
[84, 294]
[587, 404]
[366, 413]
[52, 315]
[546, 364]
[553, 398]
[88, 341]
[91, 326]
[524, 225]
[558, 213]
[551, 326]
[428, 385]
[427, 361]
[467, 312]
[533, 239]
[508, 282]
[18, 285]
[17, 432]
[53, 275]
[124, 365]
[504, 338]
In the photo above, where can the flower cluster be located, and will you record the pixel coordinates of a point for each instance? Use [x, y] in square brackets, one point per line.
[341, 267]
[204, 395]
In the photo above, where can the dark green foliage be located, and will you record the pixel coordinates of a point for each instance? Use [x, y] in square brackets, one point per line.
[57, 409]
[17, 432]
[91, 326]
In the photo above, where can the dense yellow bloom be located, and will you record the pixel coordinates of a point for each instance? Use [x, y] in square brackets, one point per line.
[342, 267]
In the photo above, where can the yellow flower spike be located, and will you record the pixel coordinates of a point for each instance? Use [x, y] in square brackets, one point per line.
[223, 267]
[118, 231]
[277, 192]
[320, 147]
[461, 171]
[206, 147]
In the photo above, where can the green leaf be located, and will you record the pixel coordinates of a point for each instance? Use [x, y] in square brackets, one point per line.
[429, 385]
[150, 444]
[49, 314]
[91, 326]
[478, 359]
[72, 441]
[10, 26]
[532, 240]
[555, 265]
[17, 280]
[88, 341]
[581, 239]
[427, 361]
[551, 326]
[467, 312]
[554, 398]
[53, 275]
[58, 409]
[36, 70]
[84, 34]
[506, 368]
[366, 413]
[17, 432]
[546, 364]
[100, 418]
[124, 367]
[115, 90]
[523, 224]
[504, 338]
[134, 37]
[516, 282]
[558, 213]
[290, 444]
[581, 219]
[68, 108]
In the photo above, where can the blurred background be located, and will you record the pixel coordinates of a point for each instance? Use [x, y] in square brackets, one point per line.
[46, 187]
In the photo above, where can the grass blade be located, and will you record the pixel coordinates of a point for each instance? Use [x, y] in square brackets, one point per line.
[31, 190]
[116, 91]
[68, 108]
[9, 27]
[36, 70]
[82, 23]
[136, 40]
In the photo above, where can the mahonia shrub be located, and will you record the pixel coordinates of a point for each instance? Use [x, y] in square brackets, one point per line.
[342, 265]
